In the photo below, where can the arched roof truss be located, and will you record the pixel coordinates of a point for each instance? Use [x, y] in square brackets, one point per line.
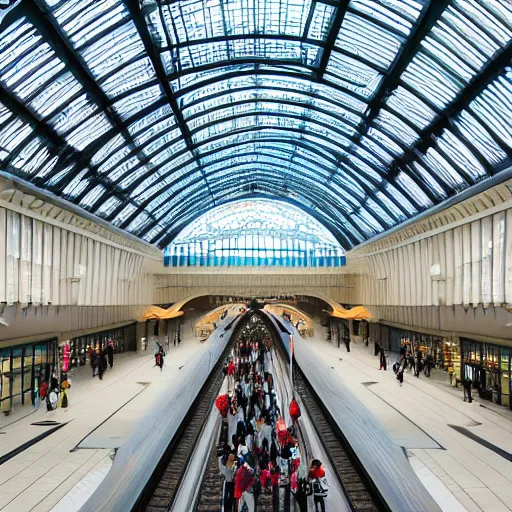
[363, 113]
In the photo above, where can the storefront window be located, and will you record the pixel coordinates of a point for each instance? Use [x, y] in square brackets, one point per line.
[21, 370]
[488, 368]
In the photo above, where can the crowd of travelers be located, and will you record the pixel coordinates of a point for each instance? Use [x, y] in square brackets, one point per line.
[263, 455]
[100, 360]
[416, 363]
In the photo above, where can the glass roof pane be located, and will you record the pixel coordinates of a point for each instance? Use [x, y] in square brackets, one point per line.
[411, 107]
[362, 38]
[321, 21]
[408, 184]
[189, 20]
[250, 109]
[480, 137]
[461, 155]
[218, 52]
[353, 75]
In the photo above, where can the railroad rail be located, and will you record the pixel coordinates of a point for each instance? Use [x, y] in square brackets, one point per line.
[360, 491]
[161, 490]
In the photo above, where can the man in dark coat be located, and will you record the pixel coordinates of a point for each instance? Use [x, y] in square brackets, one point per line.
[101, 365]
[110, 355]
[93, 358]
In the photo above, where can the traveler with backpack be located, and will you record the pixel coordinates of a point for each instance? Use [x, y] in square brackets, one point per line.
[318, 484]
[159, 357]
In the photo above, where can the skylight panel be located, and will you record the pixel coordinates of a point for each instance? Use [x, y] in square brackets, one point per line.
[73, 114]
[480, 137]
[404, 181]
[162, 114]
[84, 28]
[76, 185]
[397, 199]
[379, 213]
[395, 127]
[484, 17]
[128, 77]
[113, 144]
[203, 54]
[115, 172]
[167, 138]
[92, 196]
[114, 159]
[321, 21]
[443, 169]
[461, 155]
[13, 134]
[32, 156]
[56, 94]
[196, 77]
[374, 153]
[130, 105]
[113, 50]
[367, 223]
[364, 39]
[47, 168]
[411, 107]
[428, 178]
[432, 81]
[107, 207]
[493, 106]
[89, 131]
[139, 222]
[164, 127]
[124, 214]
[353, 75]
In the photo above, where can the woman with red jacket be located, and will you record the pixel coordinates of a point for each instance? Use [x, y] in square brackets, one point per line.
[244, 481]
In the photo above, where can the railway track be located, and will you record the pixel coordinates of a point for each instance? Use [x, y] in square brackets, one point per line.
[358, 488]
[161, 496]
[165, 481]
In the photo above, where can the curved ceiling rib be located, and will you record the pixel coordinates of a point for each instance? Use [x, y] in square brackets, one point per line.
[364, 113]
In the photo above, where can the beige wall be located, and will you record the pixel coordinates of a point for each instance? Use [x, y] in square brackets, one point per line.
[258, 282]
[49, 255]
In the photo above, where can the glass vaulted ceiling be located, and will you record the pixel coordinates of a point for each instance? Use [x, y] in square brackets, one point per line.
[361, 112]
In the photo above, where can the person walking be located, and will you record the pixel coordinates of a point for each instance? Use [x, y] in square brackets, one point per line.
[318, 484]
[419, 364]
[400, 367]
[227, 467]
[301, 488]
[110, 355]
[93, 359]
[159, 357]
[410, 362]
[383, 361]
[101, 365]
[244, 481]
[466, 384]
[429, 364]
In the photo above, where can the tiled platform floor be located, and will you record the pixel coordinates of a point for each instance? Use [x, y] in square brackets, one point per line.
[103, 412]
[418, 416]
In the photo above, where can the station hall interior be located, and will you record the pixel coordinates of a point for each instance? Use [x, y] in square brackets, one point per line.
[255, 255]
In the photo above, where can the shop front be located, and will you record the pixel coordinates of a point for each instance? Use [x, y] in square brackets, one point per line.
[488, 367]
[444, 353]
[122, 339]
[22, 369]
